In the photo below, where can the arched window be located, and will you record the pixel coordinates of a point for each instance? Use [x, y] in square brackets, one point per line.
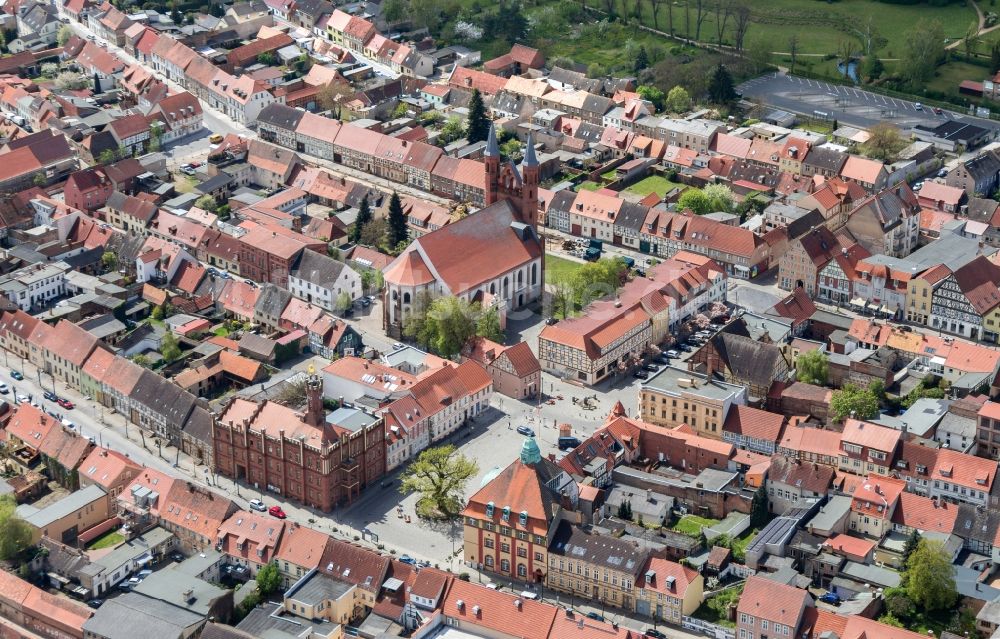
[520, 278]
[493, 288]
[406, 298]
[395, 295]
[506, 286]
[488, 561]
[534, 274]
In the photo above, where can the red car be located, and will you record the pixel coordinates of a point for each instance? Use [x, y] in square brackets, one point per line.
[276, 511]
[65, 403]
[195, 165]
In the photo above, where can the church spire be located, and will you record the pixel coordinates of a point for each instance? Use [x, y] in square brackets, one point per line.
[492, 148]
[529, 152]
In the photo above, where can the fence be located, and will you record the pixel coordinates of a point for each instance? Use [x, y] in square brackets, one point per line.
[708, 628]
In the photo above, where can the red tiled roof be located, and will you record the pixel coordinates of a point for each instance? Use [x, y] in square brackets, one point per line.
[776, 602]
[852, 546]
[870, 435]
[754, 423]
[498, 611]
[925, 514]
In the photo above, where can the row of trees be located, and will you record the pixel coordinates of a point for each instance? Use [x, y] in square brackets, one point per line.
[711, 199]
[391, 234]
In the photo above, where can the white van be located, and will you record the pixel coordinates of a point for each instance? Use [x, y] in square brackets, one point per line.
[527, 594]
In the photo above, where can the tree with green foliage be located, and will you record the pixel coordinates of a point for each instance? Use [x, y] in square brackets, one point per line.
[694, 200]
[884, 143]
[107, 156]
[64, 34]
[653, 94]
[912, 542]
[641, 60]
[511, 150]
[930, 576]
[394, 10]
[721, 89]
[812, 367]
[169, 348]
[442, 324]
[268, 579]
[595, 280]
[759, 507]
[853, 401]
[890, 619]
[39, 179]
[207, 202]
[625, 510]
[995, 58]
[158, 313]
[15, 533]
[343, 302]
[720, 198]
[267, 58]
[478, 127]
[155, 136]
[374, 233]
[871, 68]
[141, 360]
[488, 325]
[923, 51]
[398, 232]
[452, 130]
[109, 260]
[439, 476]
[364, 217]
[678, 100]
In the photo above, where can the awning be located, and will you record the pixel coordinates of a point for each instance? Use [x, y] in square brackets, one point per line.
[740, 267]
[145, 559]
[858, 301]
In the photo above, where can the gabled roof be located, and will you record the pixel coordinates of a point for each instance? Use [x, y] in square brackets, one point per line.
[776, 602]
[498, 612]
[754, 423]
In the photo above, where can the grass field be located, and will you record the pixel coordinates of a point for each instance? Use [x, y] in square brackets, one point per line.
[691, 525]
[654, 183]
[557, 268]
[821, 26]
[588, 185]
[107, 540]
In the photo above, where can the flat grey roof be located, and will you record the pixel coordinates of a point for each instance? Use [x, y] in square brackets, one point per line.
[669, 380]
[319, 588]
[835, 508]
[122, 616]
[40, 518]
[174, 586]
[351, 418]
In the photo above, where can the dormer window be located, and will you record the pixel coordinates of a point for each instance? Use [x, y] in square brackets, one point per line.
[523, 518]
[506, 514]
[489, 509]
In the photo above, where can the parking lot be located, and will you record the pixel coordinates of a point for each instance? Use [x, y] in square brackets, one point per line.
[848, 105]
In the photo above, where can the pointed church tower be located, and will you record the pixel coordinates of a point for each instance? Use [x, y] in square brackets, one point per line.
[529, 190]
[491, 159]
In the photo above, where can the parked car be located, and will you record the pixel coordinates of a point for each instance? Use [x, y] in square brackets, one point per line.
[640, 374]
[23, 399]
[406, 559]
[95, 603]
[65, 403]
[527, 594]
[365, 302]
[215, 138]
[654, 633]
[918, 106]
[16, 375]
[938, 111]
[258, 505]
[549, 321]
[830, 598]
[49, 395]
[568, 443]
[684, 347]
[3, 389]
[276, 511]
[595, 616]
[524, 430]
[942, 173]
[673, 354]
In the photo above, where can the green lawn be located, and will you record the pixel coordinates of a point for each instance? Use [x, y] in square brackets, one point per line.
[559, 268]
[740, 544]
[109, 539]
[715, 609]
[221, 331]
[948, 76]
[657, 183]
[691, 525]
[589, 186]
[821, 26]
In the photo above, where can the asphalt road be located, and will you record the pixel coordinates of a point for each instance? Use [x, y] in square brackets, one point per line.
[851, 106]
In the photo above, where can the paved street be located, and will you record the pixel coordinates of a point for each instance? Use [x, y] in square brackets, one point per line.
[855, 107]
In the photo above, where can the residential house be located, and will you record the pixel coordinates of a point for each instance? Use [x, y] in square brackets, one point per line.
[321, 280]
[887, 222]
[752, 429]
[978, 176]
[515, 369]
[675, 396]
[769, 608]
[793, 483]
[873, 504]
[668, 591]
